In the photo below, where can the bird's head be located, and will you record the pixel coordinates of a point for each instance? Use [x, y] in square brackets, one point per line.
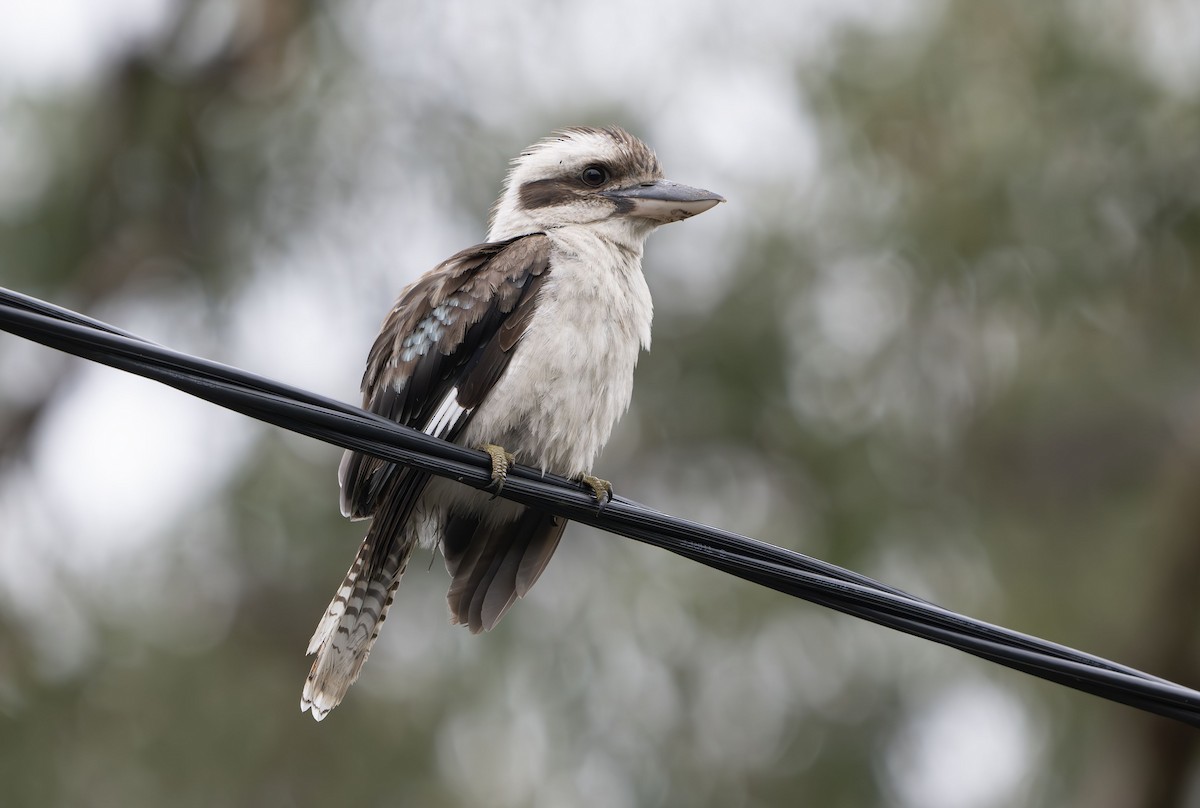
[585, 176]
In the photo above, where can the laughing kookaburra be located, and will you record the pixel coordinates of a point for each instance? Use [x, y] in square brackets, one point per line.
[523, 346]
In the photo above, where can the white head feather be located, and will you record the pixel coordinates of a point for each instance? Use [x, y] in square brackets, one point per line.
[544, 189]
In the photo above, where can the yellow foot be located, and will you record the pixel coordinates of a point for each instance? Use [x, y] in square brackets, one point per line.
[601, 489]
[501, 460]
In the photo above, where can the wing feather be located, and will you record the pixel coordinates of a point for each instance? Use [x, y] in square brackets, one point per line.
[450, 334]
[493, 565]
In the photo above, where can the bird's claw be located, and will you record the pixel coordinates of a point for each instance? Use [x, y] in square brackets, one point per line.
[602, 490]
[501, 460]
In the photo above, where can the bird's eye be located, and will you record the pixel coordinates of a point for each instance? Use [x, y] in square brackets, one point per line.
[594, 176]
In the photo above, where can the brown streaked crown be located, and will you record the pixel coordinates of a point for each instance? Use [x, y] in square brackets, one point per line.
[625, 159]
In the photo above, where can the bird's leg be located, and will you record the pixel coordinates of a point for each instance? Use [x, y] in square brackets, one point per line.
[601, 489]
[501, 460]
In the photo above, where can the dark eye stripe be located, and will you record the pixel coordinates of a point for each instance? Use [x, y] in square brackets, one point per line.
[544, 193]
[559, 190]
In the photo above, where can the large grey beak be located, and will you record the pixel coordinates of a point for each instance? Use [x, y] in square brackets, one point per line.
[663, 200]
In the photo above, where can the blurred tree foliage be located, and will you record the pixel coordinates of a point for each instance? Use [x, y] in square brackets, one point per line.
[962, 359]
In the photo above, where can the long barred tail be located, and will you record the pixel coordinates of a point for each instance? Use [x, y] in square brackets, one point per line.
[346, 633]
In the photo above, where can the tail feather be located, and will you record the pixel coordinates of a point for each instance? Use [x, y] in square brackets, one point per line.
[347, 631]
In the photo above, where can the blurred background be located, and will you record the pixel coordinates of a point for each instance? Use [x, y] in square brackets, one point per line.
[945, 333]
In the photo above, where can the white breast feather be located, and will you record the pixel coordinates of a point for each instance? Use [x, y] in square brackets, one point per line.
[571, 376]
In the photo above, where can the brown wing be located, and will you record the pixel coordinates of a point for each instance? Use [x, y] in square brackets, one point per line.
[442, 347]
[492, 565]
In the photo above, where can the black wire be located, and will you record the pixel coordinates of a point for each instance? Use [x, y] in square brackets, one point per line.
[764, 564]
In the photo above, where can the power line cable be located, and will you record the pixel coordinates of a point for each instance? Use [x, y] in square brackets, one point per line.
[782, 570]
